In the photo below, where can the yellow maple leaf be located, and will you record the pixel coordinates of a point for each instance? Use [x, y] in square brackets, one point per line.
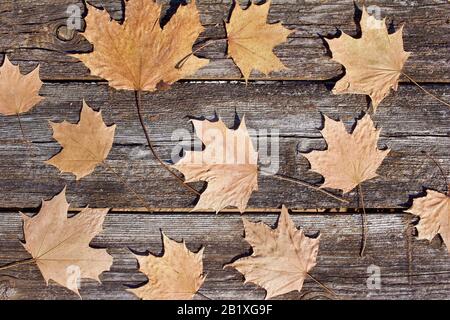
[85, 144]
[177, 275]
[251, 39]
[350, 158]
[228, 163]
[373, 63]
[60, 245]
[434, 213]
[18, 93]
[282, 257]
[138, 54]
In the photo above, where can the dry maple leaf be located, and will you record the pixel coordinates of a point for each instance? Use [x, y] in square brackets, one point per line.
[138, 54]
[373, 62]
[60, 245]
[228, 163]
[177, 275]
[350, 158]
[18, 93]
[85, 145]
[434, 213]
[281, 258]
[251, 40]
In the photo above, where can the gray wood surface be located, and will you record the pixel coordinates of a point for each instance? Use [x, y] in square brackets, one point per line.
[410, 269]
[291, 102]
[31, 32]
[411, 123]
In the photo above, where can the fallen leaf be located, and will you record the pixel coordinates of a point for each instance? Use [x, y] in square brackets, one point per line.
[373, 62]
[177, 275]
[18, 93]
[282, 257]
[350, 158]
[85, 145]
[60, 245]
[251, 39]
[228, 163]
[434, 213]
[139, 54]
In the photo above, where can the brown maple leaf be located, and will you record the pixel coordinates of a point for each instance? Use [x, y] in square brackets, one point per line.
[228, 163]
[60, 245]
[373, 62]
[434, 212]
[139, 54]
[177, 275]
[350, 158]
[18, 93]
[251, 40]
[282, 257]
[85, 145]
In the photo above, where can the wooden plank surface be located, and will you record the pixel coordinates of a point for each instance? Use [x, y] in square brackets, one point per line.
[411, 122]
[410, 269]
[33, 32]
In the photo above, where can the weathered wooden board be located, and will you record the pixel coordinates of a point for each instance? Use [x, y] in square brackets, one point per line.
[411, 123]
[410, 269]
[33, 32]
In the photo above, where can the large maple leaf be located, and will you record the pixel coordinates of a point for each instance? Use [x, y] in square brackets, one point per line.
[18, 93]
[434, 213]
[373, 63]
[139, 54]
[60, 245]
[350, 158]
[251, 39]
[282, 257]
[228, 163]
[85, 144]
[177, 275]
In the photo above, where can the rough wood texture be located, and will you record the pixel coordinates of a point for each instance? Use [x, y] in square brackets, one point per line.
[411, 122]
[34, 31]
[422, 273]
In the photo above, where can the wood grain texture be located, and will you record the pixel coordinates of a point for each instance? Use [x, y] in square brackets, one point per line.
[411, 122]
[35, 32]
[424, 274]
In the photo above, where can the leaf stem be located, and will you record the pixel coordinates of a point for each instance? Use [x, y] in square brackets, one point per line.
[305, 184]
[202, 295]
[24, 138]
[21, 127]
[440, 169]
[425, 90]
[180, 63]
[322, 285]
[127, 185]
[364, 222]
[18, 263]
[150, 144]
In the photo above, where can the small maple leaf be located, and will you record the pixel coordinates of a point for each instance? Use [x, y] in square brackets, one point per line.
[139, 54]
[18, 93]
[177, 275]
[350, 158]
[281, 258]
[228, 163]
[251, 40]
[373, 63]
[60, 245]
[434, 213]
[85, 145]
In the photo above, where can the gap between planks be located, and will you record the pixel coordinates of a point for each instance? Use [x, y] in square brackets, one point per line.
[97, 80]
[322, 211]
